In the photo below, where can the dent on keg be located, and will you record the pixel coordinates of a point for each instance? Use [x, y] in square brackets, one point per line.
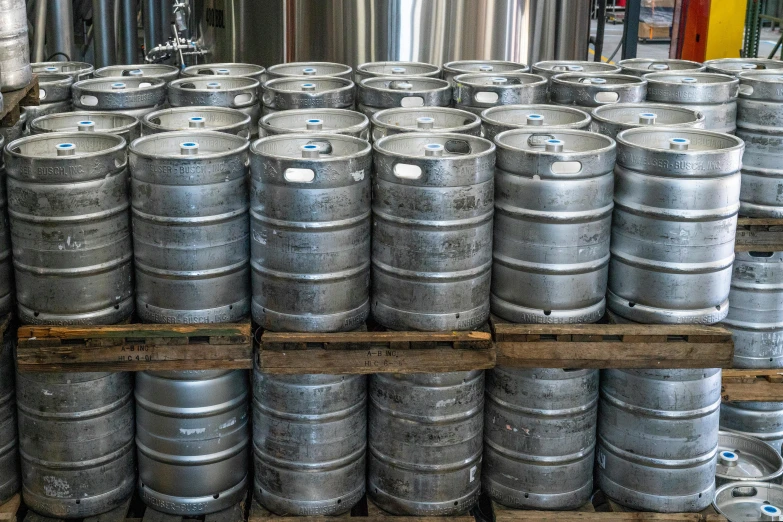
[226, 69]
[219, 119]
[550, 68]
[642, 66]
[424, 119]
[477, 92]
[742, 458]
[77, 70]
[761, 420]
[161, 71]
[376, 94]
[129, 95]
[610, 120]
[88, 121]
[508, 117]
[374, 69]
[586, 91]
[317, 92]
[452, 69]
[15, 70]
[735, 66]
[332, 121]
[309, 69]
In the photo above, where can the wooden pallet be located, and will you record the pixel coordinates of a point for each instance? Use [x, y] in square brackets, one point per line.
[235, 513]
[752, 385]
[10, 509]
[118, 514]
[135, 347]
[13, 101]
[759, 235]
[615, 512]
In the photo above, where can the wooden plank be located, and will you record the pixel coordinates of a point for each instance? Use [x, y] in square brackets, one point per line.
[117, 514]
[759, 234]
[121, 331]
[748, 221]
[11, 505]
[233, 514]
[513, 332]
[150, 515]
[759, 390]
[342, 340]
[581, 516]
[32, 516]
[740, 374]
[29, 95]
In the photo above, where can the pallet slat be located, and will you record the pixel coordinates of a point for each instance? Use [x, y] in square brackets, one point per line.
[752, 385]
[29, 95]
[629, 516]
[759, 234]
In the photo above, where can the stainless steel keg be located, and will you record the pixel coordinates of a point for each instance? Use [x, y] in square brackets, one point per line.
[712, 94]
[433, 200]
[452, 69]
[197, 119]
[309, 69]
[734, 66]
[161, 71]
[676, 200]
[507, 117]
[658, 438]
[745, 501]
[193, 439]
[756, 313]
[742, 458]
[317, 92]
[217, 91]
[54, 94]
[376, 69]
[248, 70]
[315, 121]
[88, 121]
[424, 119]
[76, 441]
[6, 264]
[77, 70]
[642, 66]
[376, 94]
[478, 92]
[15, 70]
[759, 124]
[128, 95]
[553, 212]
[9, 441]
[550, 68]
[70, 228]
[191, 236]
[762, 420]
[610, 120]
[539, 437]
[310, 232]
[309, 442]
[425, 442]
[586, 91]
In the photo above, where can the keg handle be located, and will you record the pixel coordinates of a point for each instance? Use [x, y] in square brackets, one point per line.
[294, 175]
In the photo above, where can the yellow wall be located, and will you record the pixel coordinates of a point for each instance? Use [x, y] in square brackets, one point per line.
[726, 27]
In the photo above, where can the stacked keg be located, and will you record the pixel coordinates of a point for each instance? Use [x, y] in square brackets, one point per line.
[160, 71]
[550, 68]
[425, 119]
[381, 69]
[315, 121]
[55, 96]
[220, 119]
[586, 91]
[377, 93]
[477, 92]
[15, 70]
[318, 92]
[610, 120]
[234, 92]
[76, 70]
[452, 69]
[88, 121]
[735, 66]
[309, 69]
[507, 117]
[132, 95]
[642, 66]
[248, 70]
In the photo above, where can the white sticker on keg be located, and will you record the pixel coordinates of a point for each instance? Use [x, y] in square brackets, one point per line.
[358, 175]
[601, 459]
[473, 473]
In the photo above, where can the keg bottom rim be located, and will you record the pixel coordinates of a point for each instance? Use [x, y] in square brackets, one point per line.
[402, 507]
[229, 313]
[518, 499]
[396, 319]
[641, 313]
[757, 210]
[283, 322]
[79, 507]
[111, 315]
[650, 502]
[193, 505]
[328, 507]
[520, 314]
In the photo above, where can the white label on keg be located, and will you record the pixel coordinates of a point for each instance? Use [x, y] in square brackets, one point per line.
[473, 473]
[358, 175]
[602, 459]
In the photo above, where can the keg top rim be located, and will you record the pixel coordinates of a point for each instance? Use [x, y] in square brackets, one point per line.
[501, 141]
[94, 116]
[671, 77]
[619, 79]
[424, 139]
[549, 65]
[379, 118]
[773, 76]
[195, 70]
[47, 78]
[418, 83]
[466, 66]
[194, 138]
[372, 66]
[625, 138]
[538, 108]
[735, 65]
[240, 118]
[156, 69]
[66, 67]
[726, 491]
[287, 84]
[292, 68]
[734, 446]
[604, 114]
[637, 64]
[478, 80]
[70, 138]
[359, 120]
[130, 82]
[228, 83]
[297, 139]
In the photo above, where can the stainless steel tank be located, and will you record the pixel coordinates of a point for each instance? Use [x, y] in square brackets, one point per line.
[315, 121]
[425, 442]
[76, 442]
[478, 92]
[553, 213]
[508, 117]
[10, 480]
[586, 91]
[424, 119]
[161, 71]
[234, 92]
[197, 119]
[550, 68]
[376, 94]
[610, 120]
[539, 437]
[676, 200]
[318, 92]
[79, 242]
[15, 70]
[128, 95]
[310, 232]
[191, 232]
[433, 200]
[54, 94]
[375, 69]
[457, 67]
[299, 69]
[658, 438]
[88, 121]
[734, 66]
[77, 70]
[226, 69]
[756, 313]
[193, 439]
[309, 442]
[642, 66]
[714, 95]
[763, 420]
[759, 124]
[6, 264]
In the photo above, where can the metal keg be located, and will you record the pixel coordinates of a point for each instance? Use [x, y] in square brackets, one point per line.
[746, 501]
[315, 121]
[310, 232]
[553, 213]
[714, 95]
[15, 70]
[128, 95]
[762, 420]
[309, 442]
[734, 66]
[376, 94]
[642, 66]
[478, 92]
[433, 200]
[6, 264]
[610, 120]
[197, 119]
[248, 70]
[658, 438]
[586, 91]
[79, 242]
[161, 71]
[193, 439]
[88, 121]
[77, 70]
[376, 69]
[539, 437]
[676, 198]
[759, 124]
[550, 68]
[507, 117]
[9, 442]
[744, 459]
[756, 313]
[218, 91]
[309, 69]
[452, 69]
[54, 93]
[191, 237]
[425, 441]
[76, 441]
[318, 92]
[424, 119]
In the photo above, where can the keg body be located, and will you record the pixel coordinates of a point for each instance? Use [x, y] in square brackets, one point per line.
[315, 121]
[6, 263]
[218, 119]
[76, 70]
[218, 91]
[426, 119]
[478, 92]
[610, 120]
[586, 91]
[763, 420]
[735, 66]
[508, 117]
[129, 95]
[15, 70]
[55, 96]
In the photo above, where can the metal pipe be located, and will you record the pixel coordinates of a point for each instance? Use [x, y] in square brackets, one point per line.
[600, 30]
[39, 31]
[166, 17]
[103, 33]
[153, 32]
[60, 31]
[631, 31]
[127, 30]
